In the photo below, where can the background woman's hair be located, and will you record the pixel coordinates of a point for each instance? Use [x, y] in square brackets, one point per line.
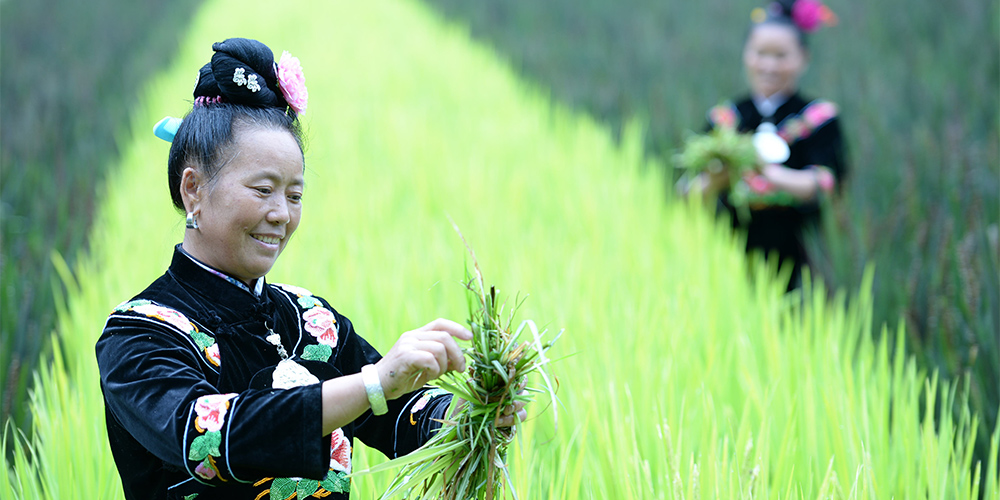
[779, 12]
[224, 104]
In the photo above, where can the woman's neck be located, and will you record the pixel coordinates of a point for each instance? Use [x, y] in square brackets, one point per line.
[769, 104]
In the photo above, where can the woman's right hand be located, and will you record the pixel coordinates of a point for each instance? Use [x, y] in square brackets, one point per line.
[422, 355]
[715, 181]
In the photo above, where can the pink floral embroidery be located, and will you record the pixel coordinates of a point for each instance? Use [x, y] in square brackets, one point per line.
[322, 324]
[723, 116]
[819, 113]
[205, 472]
[212, 353]
[171, 316]
[421, 403]
[812, 117]
[293, 82]
[340, 452]
[212, 411]
[758, 184]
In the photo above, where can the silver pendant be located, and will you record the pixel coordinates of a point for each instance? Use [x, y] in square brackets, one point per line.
[290, 374]
[770, 146]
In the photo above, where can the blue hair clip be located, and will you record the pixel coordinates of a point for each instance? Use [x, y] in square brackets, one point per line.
[166, 128]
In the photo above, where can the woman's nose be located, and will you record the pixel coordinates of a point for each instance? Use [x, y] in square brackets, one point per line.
[279, 213]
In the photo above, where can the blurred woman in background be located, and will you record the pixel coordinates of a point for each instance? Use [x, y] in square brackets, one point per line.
[784, 196]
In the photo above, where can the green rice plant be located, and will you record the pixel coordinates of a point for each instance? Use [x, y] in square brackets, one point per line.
[467, 458]
[915, 81]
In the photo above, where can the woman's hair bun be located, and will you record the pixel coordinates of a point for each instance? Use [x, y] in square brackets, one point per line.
[782, 8]
[242, 71]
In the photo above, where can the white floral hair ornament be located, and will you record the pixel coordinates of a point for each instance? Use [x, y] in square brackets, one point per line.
[240, 78]
[292, 82]
[252, 83]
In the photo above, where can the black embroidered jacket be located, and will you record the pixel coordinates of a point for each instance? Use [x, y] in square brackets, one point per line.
[186, 372]
[812, 130]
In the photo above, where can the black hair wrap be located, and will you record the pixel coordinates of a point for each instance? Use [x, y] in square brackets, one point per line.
[219, 77]
[780, 12]
[781, 8]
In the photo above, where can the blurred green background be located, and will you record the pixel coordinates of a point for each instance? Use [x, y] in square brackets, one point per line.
[917, 82]
[69, 74]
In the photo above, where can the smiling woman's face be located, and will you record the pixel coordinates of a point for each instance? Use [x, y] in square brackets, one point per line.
[249, 211]
[774, 60]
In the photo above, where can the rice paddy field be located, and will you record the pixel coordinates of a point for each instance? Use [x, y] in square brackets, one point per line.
[685, 371]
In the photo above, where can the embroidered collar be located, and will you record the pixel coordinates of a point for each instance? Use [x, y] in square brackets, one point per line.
[768, 105]
[258, 285]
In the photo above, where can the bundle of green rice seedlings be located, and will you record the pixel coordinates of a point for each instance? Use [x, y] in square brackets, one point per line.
[721, 149]
[466, 458]
[724, 150]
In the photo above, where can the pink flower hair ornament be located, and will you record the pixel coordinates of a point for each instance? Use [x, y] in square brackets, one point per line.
[292, 82]
[809, 15]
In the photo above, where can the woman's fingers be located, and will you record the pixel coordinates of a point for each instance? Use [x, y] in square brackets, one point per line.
[511, 420]
[448, 326]
[422, 355]
[453, 359]
[512, 414]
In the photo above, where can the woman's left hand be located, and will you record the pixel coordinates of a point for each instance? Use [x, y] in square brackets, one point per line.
[512, 414]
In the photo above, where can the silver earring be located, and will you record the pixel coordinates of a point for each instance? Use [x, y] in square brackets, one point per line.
[191, 222]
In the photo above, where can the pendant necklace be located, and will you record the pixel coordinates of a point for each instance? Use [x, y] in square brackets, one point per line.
[288, 373]
[770, 146]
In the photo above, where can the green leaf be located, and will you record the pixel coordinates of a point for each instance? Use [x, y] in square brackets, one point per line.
[308, 302]
[306, 487]
[203, 340]
[318, 352]
[191, 496]
[205, 445]
[129, 305]
[336, 482]
[282, 488]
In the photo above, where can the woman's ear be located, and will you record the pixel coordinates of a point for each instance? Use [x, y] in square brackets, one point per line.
[191, 192]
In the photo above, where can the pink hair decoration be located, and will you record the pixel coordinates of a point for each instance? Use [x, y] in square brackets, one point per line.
[205, 101]
[809, 15]
[292, 82]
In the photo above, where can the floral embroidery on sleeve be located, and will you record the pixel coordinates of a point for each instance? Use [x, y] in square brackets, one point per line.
[811, 118]
[336, 480]
[425, 398]
[340, 452]
[179, 321]
[204, 448]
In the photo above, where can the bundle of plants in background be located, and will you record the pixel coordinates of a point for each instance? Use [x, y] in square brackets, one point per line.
[724, 151]
[467, 458]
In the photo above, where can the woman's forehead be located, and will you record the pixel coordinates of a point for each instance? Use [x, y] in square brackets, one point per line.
[267, 154]
[773, 34]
